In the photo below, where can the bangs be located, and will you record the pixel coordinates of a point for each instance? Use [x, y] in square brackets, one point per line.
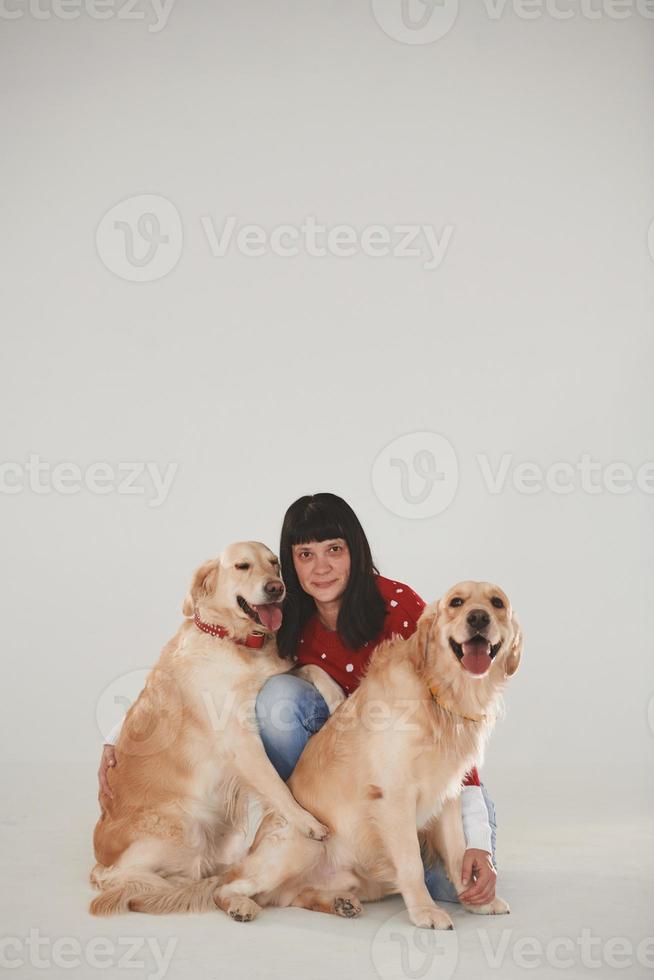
[315, 524]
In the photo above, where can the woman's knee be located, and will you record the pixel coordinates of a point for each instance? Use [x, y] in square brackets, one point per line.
[288, 711]
[286, 701]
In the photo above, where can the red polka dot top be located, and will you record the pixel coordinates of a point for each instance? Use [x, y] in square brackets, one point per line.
[324, 647]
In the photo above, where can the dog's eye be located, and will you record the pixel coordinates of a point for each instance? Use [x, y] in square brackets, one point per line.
[497, 602]
[456, 601]
[242, 566]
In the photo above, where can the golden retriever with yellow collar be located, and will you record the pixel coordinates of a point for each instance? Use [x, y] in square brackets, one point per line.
[189, 755]
[385, 771]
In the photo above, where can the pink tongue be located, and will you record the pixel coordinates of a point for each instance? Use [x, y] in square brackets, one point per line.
[270, 616]
[476, 656]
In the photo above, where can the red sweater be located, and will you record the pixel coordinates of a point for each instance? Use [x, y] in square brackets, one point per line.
[325, 649]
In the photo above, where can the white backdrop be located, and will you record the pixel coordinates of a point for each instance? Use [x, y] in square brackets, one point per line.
[520, 332]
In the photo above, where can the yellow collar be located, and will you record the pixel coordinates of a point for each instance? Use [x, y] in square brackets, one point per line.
[447, 707]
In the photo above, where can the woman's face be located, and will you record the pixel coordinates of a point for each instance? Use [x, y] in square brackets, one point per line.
[323, 568]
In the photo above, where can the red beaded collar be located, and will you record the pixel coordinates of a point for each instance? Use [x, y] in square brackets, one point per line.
[255, 640]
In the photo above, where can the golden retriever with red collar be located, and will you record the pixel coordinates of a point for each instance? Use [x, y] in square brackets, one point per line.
[189, 756]
[385, 771]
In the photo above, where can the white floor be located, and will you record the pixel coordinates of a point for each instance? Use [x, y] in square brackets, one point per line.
[579, 881]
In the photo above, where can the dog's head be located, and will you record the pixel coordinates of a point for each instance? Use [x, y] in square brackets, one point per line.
[473, 630]
[242, 587]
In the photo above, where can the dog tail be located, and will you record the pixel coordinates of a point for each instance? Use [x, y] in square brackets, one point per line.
[197, 896]
[149, 892]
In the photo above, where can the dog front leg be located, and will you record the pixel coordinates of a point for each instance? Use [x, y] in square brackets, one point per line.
[447, 837]
[277, 856]
[397, 826]
[259, 773]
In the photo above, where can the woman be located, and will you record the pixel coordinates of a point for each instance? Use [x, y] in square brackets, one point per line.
[337, 610]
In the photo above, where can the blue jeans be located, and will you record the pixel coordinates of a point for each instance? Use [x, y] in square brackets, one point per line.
[289, 711]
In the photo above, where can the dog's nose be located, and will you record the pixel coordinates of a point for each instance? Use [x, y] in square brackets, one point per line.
[274, 588]
[478, 619]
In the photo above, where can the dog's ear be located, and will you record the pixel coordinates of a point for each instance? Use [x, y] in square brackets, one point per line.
[515, 653]
[203, 584]
[426, 626]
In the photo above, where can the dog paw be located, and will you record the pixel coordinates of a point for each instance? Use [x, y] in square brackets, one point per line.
[497, 907]
[348, 906]
[430, 918]
[313, 829]
[335, 702]
[242, 909]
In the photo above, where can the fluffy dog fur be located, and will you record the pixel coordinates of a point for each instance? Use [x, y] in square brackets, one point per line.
[385, 771]
[189, 755]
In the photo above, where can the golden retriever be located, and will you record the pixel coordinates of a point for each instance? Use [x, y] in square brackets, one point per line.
[385, 771]
[189, 756]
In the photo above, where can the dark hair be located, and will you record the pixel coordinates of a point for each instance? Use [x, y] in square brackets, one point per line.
[320, 517]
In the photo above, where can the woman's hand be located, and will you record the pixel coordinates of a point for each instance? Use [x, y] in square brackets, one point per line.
[479, 874]
[108, 761]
